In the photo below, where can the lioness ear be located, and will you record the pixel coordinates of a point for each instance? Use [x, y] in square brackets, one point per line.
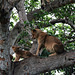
[18, 47]
[13, 46]
[33, 30]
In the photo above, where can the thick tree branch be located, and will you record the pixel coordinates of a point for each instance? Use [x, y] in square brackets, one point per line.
[23, 16]
[57, 3]
[7, 5]
[13, 2]
[36, 65]
[56, 21]
[14, 33]
[20, 25]
[53, 5]
[34, 47]
[21, 11]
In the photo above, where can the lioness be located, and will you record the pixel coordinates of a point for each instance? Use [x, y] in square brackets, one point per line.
[21, 53]
[51, 43]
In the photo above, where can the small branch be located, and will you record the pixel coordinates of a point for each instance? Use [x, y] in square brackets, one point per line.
[70, 23]
[51, 22]
[69, 35]
[69, 41]
[57, 21]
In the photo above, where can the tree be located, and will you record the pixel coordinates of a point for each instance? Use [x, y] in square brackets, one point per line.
[31, 17]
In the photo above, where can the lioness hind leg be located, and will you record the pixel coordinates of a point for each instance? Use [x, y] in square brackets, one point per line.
[58, 48]
[53, 54]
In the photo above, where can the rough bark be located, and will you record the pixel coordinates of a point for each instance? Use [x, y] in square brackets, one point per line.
[14, 33]
[21, 12]
[34, 47]
[2, 72]
[4, 38]
[22, 15]
[36, 65]
[5, 11]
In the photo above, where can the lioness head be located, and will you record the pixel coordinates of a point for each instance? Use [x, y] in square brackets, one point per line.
[15, 48]
[35, 33]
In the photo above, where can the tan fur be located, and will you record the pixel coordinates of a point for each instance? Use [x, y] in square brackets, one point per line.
[11, 57]
[51, 43]
[48, 0]
[2, 58]
[21, 53]
[1, 42]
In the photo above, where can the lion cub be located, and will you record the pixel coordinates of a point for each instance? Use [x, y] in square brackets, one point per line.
[21, 53]
[51, 43]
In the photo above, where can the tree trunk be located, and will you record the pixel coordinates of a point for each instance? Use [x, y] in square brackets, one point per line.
[4, 42]
[5, 11]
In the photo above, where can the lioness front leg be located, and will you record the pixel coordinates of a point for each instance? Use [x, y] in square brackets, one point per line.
[38, 49]
[17, 58]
